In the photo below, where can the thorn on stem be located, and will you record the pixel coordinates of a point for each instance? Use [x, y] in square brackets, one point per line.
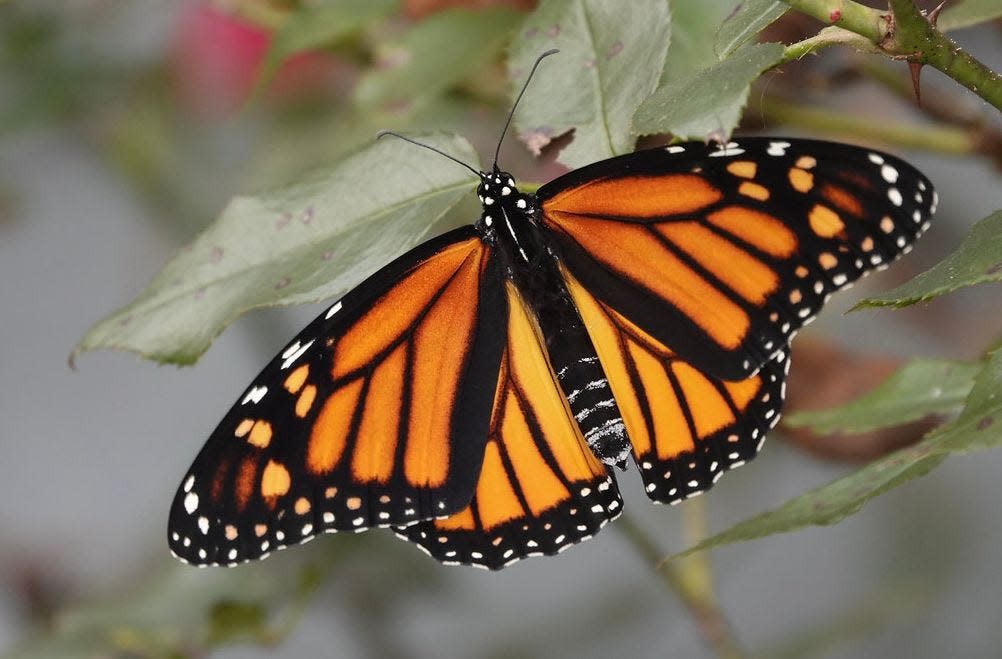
[916, 70]
[933, 15]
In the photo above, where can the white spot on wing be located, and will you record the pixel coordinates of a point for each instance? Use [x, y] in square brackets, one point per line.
[333, 310]
[730, 150]
[294, 352]
[777, 148]
[895, 196]
[191, 502]
[255, 395]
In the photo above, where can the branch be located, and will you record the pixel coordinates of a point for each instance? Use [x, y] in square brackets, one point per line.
[829, 36]
[690, 582]
[918, 39]
[904, 33]
[852, 16]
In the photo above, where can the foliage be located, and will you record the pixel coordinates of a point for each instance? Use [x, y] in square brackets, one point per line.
[299, 243]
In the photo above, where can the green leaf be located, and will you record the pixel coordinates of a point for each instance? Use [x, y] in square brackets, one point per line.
[609, 61]
[302, 243]
[978, 427]
[709, 101]
[319, 24]
[830, 503]
[435, 54]
[976, 261]
[750, 18]
[694, 36]
[920, 388]
[967, 13]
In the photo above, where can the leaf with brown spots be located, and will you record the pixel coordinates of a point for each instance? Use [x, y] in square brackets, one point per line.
[922, 387]
[609, 61]
[826, 375]
[365, 210]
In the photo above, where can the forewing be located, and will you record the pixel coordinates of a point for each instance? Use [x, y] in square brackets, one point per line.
[375, 415]
[723, 253]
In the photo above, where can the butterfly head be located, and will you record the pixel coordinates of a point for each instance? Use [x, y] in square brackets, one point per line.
[497, 190]
[495, 186]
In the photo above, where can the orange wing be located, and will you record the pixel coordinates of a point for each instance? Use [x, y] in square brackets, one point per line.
[540, 489]
[685, 427]
[724, 253]
[375, 415]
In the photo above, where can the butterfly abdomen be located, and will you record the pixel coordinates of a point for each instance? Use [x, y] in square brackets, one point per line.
[580, 375]
[590, 399]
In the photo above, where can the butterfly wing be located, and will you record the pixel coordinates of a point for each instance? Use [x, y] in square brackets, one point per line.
[540, 489]
[686, 427]
[723, 253]
[375, 415]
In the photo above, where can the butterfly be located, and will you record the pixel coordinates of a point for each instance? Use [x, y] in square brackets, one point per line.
[475, 394]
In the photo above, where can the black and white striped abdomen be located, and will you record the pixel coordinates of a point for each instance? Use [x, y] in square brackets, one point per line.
[581, 377]
[594, 408]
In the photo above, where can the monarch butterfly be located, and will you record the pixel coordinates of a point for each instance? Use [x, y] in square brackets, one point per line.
[474, 394]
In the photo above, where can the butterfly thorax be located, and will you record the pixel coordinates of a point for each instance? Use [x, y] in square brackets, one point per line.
[508, 221]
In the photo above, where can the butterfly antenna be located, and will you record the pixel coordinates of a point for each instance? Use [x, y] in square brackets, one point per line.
[384, 133]
[511, 114]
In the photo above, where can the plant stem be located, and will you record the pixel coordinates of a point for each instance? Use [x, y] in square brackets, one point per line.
[917, 38]
[852, 16]
[689, 583]
[830, 36]
[905, 33]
